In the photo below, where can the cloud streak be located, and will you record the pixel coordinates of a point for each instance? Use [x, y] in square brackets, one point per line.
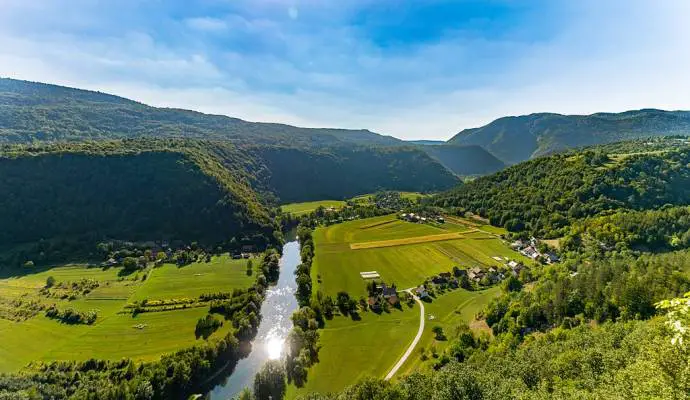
[418, 70]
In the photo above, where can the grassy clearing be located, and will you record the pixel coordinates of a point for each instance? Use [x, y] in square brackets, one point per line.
[406, 265]
[113, 335]
[307, 207]
[352, 350]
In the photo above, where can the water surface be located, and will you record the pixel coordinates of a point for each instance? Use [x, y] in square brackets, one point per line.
[278, 306]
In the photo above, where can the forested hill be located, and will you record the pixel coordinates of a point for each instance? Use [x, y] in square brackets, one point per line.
[61, 200]
[465, 160]
[545, 195]
[516, 139]
[36, 111]
[301, 174]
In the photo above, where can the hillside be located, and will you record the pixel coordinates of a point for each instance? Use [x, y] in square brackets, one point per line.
[543, 196]
[516, 139]
[36, 111]
[60, 201]
[299, 174]
[465, 160]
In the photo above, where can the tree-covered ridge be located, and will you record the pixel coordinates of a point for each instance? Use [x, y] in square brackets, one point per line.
[545, 195]
[340, 172]
[61, 200]
[36, 111]
[652, 230]
[516, 139]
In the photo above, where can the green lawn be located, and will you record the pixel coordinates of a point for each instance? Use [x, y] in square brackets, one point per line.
[351, 350]
[114, 335]
[338, 266]
[307, 207]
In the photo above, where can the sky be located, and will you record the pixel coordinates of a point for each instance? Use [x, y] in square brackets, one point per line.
[411, 69]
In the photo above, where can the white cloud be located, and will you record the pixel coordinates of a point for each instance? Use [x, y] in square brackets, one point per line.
[207, 24]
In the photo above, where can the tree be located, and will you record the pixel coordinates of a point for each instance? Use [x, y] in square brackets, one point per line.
[512, 284]
[269, 382]
[438, 331]
[343, 301]
[130, 263]
[50, 282]
[250, 267]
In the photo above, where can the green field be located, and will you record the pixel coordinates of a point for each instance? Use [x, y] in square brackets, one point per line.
[114, 335]
[307, 207]
[351, 350]
[337, 266]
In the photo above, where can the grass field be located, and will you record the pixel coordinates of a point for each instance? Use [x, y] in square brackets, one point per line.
[413, 258]
[355, 349]
[307, 207]
[113, 335]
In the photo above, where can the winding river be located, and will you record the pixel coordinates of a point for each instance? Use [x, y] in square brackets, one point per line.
[278, 306]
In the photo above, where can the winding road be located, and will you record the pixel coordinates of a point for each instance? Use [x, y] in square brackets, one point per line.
[409, 350]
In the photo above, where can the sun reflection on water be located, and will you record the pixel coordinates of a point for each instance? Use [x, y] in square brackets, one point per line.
[274, 347]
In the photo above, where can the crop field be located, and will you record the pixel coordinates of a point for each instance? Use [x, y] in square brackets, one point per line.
[405, 241]
[307, 207]
[114, 335]
[401, 252]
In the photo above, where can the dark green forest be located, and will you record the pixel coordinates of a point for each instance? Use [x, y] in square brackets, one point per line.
[298, 174]
[544, 196]
[60, 201]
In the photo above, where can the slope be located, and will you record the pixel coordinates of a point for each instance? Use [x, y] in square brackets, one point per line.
[516, 139]
[60, 201]
[36, 111]
[545, 195]
[465, 160]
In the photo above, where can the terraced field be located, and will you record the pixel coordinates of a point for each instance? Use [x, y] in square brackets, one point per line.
[114, 335]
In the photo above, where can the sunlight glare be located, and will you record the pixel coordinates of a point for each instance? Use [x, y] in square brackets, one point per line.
[274, 348]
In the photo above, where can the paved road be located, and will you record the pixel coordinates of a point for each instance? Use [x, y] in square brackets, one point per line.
[409, 350]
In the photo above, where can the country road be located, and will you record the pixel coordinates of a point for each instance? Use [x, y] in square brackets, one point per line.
[409, 350]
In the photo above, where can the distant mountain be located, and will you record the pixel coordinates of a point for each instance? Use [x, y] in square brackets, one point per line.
[465, 160]
[426, 142]
[516, 139]
[37, 111]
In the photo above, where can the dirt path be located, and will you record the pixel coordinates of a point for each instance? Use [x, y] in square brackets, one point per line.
[409, 350]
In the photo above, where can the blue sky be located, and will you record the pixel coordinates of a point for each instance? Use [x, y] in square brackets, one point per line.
[412, 69]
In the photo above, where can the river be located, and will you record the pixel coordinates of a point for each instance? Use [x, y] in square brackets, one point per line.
[278, 306]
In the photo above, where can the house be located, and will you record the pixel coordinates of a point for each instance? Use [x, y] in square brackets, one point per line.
[237, 256]
[476, 274]
[246, 255]
[530, 252]
[513, 264]
[111, 262]
[440, 220]
[551, 258]
[393, 300]
[374, 303]
[421, 292]
[388, 291]
[518, 244]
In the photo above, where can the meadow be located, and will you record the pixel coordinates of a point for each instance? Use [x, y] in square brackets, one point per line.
[298, 209]
[401, 252]
[115, 334]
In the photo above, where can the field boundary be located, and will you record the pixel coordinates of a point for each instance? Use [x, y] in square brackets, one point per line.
[374, 225]
[410, 240]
